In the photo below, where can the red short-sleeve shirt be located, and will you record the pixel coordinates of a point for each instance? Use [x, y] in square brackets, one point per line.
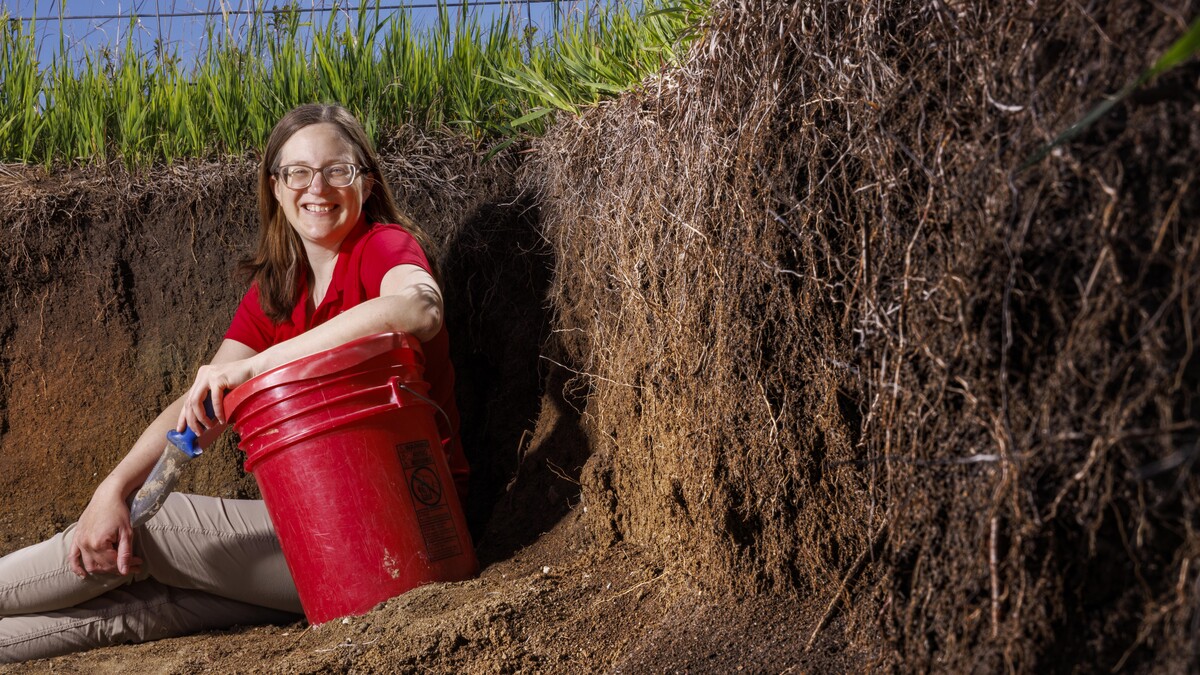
[366, 255]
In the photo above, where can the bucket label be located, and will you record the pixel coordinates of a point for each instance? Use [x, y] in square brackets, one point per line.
[425, 488]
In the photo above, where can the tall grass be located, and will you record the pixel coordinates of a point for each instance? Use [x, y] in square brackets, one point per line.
[21, 124]
[491, 82]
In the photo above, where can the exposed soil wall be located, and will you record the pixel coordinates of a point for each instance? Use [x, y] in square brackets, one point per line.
[115, 288]
[838, 344]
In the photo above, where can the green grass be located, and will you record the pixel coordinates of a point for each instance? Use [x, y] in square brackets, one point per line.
[490, 82]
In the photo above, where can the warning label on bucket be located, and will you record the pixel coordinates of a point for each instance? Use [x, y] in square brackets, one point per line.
[425, 486]
[433, 514]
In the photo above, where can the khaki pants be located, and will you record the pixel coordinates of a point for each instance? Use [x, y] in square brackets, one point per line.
[207, 564]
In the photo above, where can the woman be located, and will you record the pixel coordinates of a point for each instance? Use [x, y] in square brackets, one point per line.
[335, 261]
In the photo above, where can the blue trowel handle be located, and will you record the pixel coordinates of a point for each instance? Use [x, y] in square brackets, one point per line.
[186, 441]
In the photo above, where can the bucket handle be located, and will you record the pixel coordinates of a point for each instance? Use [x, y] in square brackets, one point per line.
[397, 385]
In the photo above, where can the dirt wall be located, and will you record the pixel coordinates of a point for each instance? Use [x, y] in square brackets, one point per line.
[115, 286]
[839, 344]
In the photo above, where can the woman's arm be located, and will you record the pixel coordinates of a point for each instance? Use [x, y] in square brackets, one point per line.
[103, 537]
[409, 301]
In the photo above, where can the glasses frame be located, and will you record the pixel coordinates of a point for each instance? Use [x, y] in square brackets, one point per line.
[355, 172]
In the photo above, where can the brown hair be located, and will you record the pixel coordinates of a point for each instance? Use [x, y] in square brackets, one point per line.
[279, 259]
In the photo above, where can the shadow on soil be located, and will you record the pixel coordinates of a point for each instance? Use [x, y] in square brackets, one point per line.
[521, 435]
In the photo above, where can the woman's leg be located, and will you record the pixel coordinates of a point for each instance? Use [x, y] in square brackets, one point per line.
[38, 579]
[226, 547]
[210, 563]
[141, 611]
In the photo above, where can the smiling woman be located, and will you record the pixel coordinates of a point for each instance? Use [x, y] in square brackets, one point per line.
[321, 213]
[336, 261]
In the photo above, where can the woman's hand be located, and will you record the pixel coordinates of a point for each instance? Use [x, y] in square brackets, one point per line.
[103, 538]
[233, 364]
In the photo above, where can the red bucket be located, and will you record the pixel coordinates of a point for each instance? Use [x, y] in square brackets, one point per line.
[346, 451]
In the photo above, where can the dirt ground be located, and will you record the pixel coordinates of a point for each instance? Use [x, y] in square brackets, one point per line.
[552, 607]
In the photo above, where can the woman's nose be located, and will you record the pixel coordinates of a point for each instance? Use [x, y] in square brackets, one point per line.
[318, 177]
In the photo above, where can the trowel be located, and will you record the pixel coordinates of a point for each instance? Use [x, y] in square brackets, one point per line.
[180, 450]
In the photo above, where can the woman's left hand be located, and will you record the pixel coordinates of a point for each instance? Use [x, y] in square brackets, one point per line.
[233, 364]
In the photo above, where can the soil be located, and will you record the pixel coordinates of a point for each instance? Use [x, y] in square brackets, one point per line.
[552, 607]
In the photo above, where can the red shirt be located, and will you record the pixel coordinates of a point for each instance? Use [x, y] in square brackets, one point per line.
[365, 256]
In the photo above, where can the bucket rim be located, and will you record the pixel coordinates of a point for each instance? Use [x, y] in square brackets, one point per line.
[320, 364]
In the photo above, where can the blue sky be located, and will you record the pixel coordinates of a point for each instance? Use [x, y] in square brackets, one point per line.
[185, 33]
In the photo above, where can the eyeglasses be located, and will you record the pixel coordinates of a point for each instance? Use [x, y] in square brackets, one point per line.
[299, 177]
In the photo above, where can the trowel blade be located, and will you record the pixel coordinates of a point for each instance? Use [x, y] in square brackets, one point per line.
[158, 485]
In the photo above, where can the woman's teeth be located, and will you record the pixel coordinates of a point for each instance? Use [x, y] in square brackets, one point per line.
[318, 208]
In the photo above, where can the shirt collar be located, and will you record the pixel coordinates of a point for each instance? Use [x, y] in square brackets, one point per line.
[333, 297]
